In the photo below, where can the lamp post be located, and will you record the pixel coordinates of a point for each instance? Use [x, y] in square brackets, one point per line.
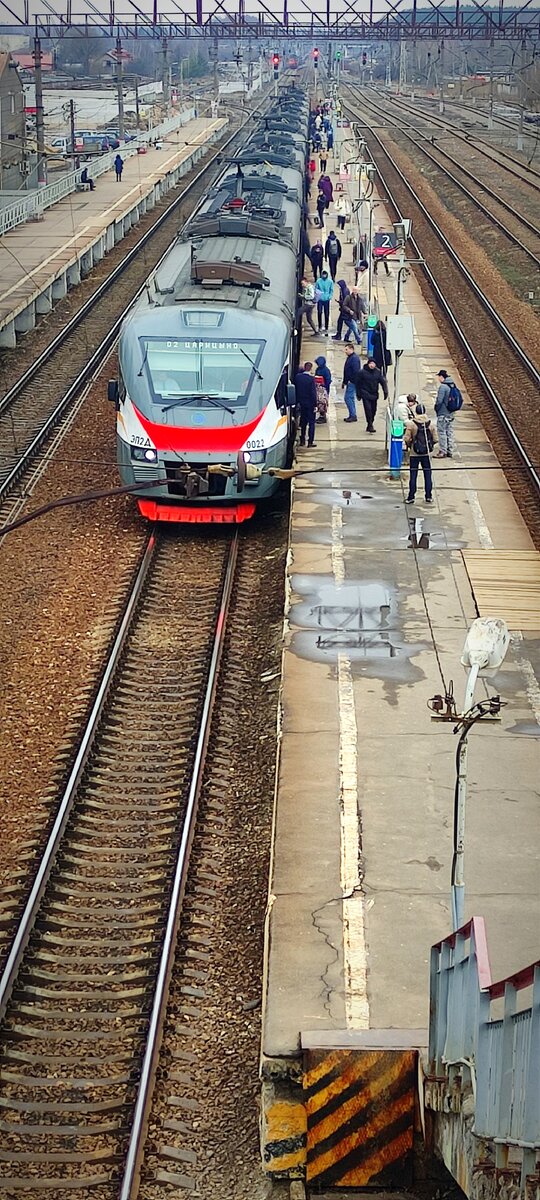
[484, 650]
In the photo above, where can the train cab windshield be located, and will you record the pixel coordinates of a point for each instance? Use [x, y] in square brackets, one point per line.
[198, 372]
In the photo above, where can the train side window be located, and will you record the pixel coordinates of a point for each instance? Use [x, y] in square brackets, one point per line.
[281, 392]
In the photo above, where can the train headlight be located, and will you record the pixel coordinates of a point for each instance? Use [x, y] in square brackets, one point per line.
[144, 454]
[254, 456]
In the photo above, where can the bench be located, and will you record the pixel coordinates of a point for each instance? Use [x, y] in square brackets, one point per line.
[82, 187]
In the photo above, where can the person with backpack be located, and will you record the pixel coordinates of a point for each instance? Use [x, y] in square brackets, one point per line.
[332, 253]
[448, 402]
[420, 439]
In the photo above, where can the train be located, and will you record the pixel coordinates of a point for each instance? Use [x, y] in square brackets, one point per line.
[207, 354]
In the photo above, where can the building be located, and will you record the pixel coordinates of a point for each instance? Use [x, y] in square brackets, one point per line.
[12, 126]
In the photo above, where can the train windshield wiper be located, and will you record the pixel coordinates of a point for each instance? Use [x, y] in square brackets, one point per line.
[251, 363]
[212, 398]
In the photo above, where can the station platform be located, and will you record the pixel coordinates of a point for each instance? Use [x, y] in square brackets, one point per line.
[380, 596]
[40, 261]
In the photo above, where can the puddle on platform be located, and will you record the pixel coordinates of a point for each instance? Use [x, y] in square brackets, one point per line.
[363, 524]
[525, 729]
[359, 617]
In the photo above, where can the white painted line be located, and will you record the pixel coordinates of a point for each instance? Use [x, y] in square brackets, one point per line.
[354, 933]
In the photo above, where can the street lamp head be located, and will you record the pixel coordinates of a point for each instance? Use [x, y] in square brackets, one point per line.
[402, 230]
[486, 644]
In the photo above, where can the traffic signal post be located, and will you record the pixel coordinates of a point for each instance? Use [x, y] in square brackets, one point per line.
[275, 65]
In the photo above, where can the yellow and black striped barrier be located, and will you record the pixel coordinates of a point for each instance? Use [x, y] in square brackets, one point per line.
[360, 1117]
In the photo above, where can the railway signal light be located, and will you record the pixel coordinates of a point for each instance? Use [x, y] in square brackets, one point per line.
[338, 55]
[364, 58]
[275, 61]
[315, 57]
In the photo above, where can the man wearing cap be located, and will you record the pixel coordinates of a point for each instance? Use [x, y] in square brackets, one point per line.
[420, 438]
[368, 382]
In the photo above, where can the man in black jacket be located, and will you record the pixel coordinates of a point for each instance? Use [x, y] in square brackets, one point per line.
[351, 370]
[306, 398]
[368, 382]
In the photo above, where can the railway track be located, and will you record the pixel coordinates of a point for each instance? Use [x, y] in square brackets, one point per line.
[527, 174]
[84, 990]
[528, 228]
[41, 398]
[493, 354]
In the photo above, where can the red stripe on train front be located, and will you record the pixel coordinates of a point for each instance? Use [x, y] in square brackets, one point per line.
[183, 439]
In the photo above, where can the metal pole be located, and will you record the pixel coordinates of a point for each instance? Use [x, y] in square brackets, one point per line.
[369, 253]
[441, 82]
[72, 132]
[40, 123]
[215, 69]
[137, 107]
[458, 873]
[491, 83]
[181, 81]
[120, 88]
[166, 79]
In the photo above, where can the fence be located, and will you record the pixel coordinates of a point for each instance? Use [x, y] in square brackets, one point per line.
[31, 205]
[501, 1054]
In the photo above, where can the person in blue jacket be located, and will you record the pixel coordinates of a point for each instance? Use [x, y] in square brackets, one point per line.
[324, 290]
[306, 398]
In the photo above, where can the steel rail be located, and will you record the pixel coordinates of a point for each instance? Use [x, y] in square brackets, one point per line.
[486, 304]
[527, 461]
[479, 183]
[141, 1115]
[111, 279]
[28, 918]
[475, 142]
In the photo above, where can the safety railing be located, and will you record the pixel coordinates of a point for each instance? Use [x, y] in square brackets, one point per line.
[30, 206]
[499, 1054]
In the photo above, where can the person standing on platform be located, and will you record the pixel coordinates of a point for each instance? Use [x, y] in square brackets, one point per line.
[351, 371]
[342, 296]
[330, 138]
[353, 310]
[119, 167]
[332, 253]
[445, 418]
[316, 258]
[324, 290]
[420, 439]
[326, 187]
[343, 210]
[306, 397]
[323, 158]
[368, 382]
[323, 379]
[322, 205]
[361, 265]
[307, 296]
[382, 356]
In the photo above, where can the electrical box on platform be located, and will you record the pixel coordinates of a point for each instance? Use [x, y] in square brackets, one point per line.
[400, 332]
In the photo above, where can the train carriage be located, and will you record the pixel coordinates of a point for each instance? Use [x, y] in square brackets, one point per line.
[204, 398]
